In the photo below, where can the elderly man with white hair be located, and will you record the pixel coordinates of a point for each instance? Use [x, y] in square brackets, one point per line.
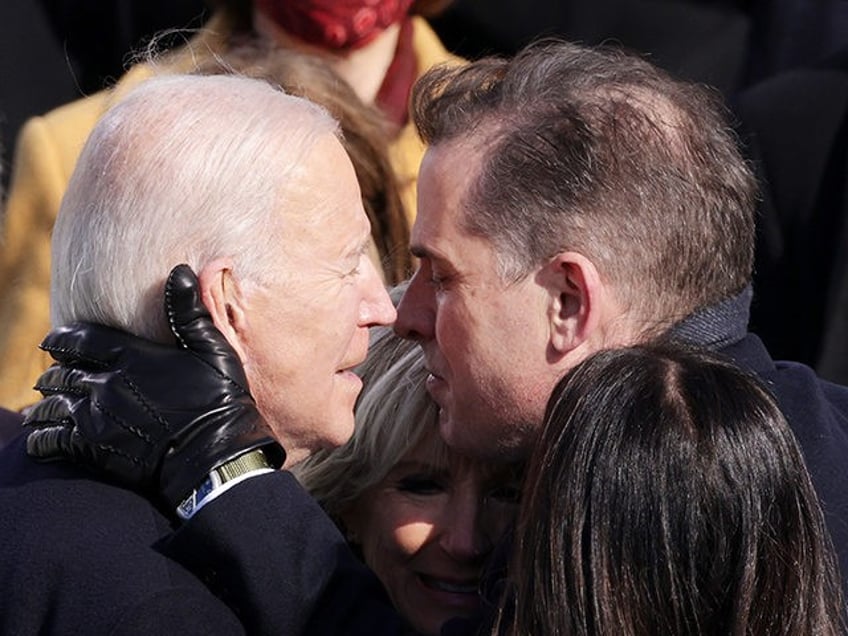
[252, 189]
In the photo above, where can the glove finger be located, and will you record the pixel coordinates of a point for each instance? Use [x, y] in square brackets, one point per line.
[58, 379]
[88, 345]
[193, 327]
[52, 442]
[92, 411]
[64, 442]
[76, 429]
[53, 410]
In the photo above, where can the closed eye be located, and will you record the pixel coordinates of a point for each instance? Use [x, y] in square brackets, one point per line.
[509, 494]
[420, 485]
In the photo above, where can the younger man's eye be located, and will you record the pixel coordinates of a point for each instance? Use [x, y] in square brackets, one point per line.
[438, 281]
[420, 485]
[510, 494]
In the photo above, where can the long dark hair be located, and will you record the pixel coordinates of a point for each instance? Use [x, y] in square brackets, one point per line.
[669, 496]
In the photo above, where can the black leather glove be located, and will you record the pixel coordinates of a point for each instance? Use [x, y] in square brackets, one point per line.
[156, 418]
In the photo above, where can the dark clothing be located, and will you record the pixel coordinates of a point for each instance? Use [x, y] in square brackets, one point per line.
[729, 44]
[34, 72]
[817, 412]
[101, 37]
[10, 426]
[801, 278]
[701, 41]
[81, 556]
[788, 34]
[269, 534]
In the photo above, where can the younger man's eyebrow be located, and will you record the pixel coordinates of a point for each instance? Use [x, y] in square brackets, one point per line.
[419, 251]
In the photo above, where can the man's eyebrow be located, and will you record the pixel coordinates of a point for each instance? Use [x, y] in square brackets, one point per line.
[360, 248]
[420, 251]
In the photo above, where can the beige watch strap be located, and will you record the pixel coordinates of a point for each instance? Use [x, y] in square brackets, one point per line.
[254, 460]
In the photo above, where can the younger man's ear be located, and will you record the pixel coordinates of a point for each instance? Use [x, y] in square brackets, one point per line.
[575, 295]
[225, 301]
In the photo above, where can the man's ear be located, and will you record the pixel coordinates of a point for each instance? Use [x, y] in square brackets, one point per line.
[225, 301]
[576, 300]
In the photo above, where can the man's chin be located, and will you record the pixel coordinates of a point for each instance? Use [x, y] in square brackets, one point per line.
[453, 435]
[339, 430]
[445, 424]
[467, 438]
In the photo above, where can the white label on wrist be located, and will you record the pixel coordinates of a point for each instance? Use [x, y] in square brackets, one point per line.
[186, 510]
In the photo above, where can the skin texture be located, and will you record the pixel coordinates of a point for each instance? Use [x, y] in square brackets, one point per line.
[427, 528]
[486, 342]
[299, 336]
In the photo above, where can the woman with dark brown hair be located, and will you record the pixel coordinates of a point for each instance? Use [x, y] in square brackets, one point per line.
[669, 496]
[363, 132]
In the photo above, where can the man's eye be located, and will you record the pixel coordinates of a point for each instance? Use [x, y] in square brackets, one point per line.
[420, 486]
[437, 281]
[506, 494]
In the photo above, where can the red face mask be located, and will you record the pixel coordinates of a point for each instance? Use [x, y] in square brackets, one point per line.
[335, 24]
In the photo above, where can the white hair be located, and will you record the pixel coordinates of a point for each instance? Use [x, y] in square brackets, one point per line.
[185, 169]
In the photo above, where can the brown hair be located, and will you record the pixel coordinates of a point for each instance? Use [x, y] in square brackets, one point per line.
[597, 151]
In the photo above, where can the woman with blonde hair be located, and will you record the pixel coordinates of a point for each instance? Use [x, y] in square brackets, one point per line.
[422, 517]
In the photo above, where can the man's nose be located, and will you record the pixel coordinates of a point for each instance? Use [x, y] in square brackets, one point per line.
[416, 311]
[377, 306]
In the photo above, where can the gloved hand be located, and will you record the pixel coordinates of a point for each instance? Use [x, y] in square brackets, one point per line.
[156, 418]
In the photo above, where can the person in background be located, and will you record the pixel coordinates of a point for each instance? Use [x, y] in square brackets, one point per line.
[363, 136]
[422, 517]
[10, 421]
[378, 49]
[802, 220]
[667, 494]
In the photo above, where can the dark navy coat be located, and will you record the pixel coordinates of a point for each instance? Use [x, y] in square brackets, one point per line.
[82, 556]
